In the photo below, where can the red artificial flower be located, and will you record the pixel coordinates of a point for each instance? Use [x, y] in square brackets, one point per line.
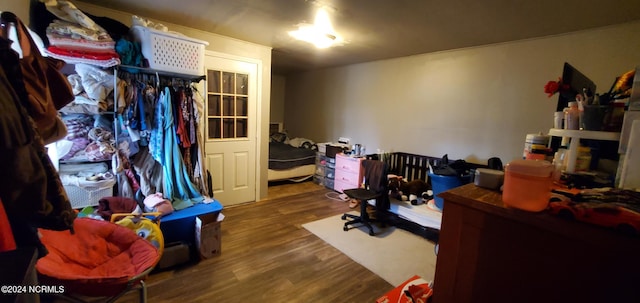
[553, 87]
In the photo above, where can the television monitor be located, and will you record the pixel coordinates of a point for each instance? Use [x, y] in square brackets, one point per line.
[576, 81]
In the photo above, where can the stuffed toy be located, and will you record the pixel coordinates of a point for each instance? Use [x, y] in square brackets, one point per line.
[157, 203]
[415, 191]
[145, 228]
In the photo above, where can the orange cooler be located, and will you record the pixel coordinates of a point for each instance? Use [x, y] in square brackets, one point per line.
[527, 184]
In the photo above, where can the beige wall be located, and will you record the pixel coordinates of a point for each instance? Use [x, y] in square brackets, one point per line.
[471, 103]
[277, 98]
[19, 7]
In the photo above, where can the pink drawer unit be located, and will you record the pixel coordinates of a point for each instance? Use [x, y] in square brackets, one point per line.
[347, 173]
[340, 186]
[348, 164]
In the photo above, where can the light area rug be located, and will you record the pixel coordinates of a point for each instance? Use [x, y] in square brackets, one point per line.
[393, 253]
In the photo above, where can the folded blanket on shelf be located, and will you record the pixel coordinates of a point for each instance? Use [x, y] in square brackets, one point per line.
[74, 57]
[71, 42]
[92, 87]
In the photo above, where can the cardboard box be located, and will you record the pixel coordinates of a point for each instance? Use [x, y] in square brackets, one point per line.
[175, 253]
[208, 234]
[416, 286]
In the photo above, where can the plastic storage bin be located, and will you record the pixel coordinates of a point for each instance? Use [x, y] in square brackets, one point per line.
[171, 52]
[488, 178]
[440, 183]
[81, 197]
[527, 184]
[329, 173]
[329, 183]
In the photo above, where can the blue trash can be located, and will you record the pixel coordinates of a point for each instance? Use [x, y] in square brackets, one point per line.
[440, 183]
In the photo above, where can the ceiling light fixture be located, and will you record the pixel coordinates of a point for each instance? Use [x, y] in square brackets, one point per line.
[320, 33]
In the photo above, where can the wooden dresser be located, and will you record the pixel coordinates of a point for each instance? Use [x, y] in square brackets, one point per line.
[348, 172]
[491, 253]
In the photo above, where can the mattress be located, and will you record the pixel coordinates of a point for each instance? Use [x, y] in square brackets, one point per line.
[296, 174]
[423, 214]
[285, 156]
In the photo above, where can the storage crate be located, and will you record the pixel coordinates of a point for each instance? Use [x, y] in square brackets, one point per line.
[321, 159]
[331, 164]
[322, 147]
[81, 197]
[170, 52]
[329, 183]
[329, 173]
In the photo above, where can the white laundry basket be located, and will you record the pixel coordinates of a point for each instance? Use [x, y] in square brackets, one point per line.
[88, 193]
[86, 196]
[171, 52]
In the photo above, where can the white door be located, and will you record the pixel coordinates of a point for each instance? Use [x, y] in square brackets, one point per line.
[231, 128]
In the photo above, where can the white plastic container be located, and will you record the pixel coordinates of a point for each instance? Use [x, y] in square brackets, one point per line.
[488, 178]
[171, 52]
[534, 139]
[527, 184]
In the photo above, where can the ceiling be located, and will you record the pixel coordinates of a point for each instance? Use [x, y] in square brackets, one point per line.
[381, 29]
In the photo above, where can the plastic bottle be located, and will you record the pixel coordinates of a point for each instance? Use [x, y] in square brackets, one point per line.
[572, 116]
[559, 163]
[583, 160]
[565, 140]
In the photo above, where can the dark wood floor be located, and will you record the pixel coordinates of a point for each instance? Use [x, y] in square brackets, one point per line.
[267, 256]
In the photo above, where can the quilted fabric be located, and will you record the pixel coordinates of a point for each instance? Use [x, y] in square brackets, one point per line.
[99, 259]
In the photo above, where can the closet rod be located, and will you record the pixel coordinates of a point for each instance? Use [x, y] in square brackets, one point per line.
[158, 74]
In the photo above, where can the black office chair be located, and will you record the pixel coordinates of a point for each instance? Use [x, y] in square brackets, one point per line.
[375, 177]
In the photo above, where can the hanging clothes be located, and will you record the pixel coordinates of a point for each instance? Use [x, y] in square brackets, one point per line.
[30, 187]
[157, 132]
[7, 242]
[182, 126]
[199, 169]
[181, 116]
[150, 172]
[149, 110]
[177, 185]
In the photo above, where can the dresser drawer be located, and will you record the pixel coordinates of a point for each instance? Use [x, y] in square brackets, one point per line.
[348, 164]
[340, 186]
[352, 179]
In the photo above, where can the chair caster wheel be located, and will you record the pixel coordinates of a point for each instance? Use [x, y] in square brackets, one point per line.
[345, 228]
[344, 217]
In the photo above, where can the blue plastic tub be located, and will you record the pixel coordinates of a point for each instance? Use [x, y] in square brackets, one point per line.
[440, 183]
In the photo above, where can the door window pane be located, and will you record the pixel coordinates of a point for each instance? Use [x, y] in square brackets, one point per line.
[214, 104]
[228, 83]
[227, 105]
[213, 81]
[241, 127]
[242, 81]
[215, 131]
[228, 128]
[241, 106]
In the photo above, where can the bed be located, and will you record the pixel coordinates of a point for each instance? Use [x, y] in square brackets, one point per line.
[287, 162]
